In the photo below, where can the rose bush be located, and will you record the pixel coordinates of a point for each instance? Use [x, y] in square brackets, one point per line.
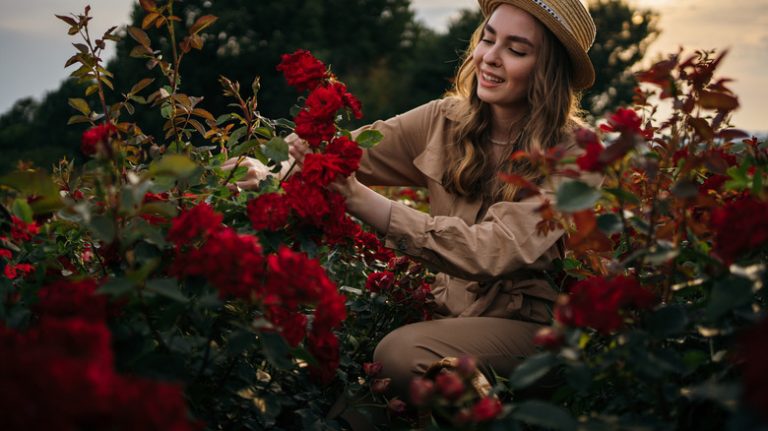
[143, 289]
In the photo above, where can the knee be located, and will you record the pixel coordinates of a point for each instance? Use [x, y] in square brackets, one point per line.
[403, 356]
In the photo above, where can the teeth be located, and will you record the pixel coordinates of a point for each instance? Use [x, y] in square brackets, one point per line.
[492, 78]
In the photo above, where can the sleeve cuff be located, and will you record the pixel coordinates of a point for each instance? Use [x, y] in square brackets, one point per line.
[407, 230]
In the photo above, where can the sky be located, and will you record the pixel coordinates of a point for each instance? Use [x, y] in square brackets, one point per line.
[34, 45]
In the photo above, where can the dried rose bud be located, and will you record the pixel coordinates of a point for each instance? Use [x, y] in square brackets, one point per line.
[396, 406]
[421, 391]
[467, 366]
[372, 368]
[379, 386]
[549, 338]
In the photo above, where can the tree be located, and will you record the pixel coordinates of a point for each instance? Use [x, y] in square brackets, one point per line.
[623, 36]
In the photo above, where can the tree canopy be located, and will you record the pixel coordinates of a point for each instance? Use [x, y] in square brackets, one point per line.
[389, 59]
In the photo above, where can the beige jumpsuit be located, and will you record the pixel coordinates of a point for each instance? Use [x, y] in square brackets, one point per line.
[489, 292]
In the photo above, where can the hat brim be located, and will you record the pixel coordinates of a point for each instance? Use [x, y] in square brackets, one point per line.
[583, 73]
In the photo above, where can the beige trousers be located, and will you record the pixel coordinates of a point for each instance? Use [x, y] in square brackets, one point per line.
[497, 344]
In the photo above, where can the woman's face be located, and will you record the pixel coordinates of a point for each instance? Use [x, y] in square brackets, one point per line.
[506, 56]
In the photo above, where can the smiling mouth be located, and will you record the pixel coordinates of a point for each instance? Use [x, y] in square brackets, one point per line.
[491, 78]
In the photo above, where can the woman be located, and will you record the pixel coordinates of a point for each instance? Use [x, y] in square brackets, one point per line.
[514, 91]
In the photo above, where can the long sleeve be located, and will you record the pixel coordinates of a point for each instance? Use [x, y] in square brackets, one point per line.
[390, 162]
[504, 241]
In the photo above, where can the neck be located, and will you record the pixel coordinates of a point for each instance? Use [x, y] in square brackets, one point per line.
[504, 119]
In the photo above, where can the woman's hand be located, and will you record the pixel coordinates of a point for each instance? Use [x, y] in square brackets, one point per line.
[297, 149]
[257, 172]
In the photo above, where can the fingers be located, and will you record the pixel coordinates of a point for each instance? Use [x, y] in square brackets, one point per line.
[297, 147]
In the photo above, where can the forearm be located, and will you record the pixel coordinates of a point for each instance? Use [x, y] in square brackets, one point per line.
[369, 206]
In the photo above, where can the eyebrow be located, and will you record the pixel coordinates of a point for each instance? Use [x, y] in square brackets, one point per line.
[511, 38]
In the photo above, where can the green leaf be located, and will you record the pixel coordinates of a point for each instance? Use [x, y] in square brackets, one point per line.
[667, 321]
[235, 136]
[532, 369]
[575, 196]
[173, 165]
[246, 146]
[36, 185]
[22, 210]
[81, 105]
[264, 132]
[369, 138]
[240, 341]
[168, 287]
[728, 294]
[103, 227]
[276, 149]
[546, 415]
[115, 287]
[609, 224]
[623, 195]
[276, 350]
[578, 376]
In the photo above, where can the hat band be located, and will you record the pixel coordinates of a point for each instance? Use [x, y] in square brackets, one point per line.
[550, 11]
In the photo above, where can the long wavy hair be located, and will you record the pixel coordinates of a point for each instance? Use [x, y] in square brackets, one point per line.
[553, 111]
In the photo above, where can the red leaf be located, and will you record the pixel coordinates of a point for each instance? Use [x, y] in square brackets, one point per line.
[718, 101]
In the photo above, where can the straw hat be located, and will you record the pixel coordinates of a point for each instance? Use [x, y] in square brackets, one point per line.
[570, 22]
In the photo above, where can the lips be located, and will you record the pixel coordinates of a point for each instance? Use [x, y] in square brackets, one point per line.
[491, 78]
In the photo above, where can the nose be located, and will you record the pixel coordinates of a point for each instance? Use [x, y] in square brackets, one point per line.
[491, 57]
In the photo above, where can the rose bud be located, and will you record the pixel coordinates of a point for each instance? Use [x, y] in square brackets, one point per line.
[396, 406]
[486, 409]
[380, 385]
[462, 417]
[398, 264]
[450, 385]
[467, 366]
[372, 368]
[421, 391]
[549, 338]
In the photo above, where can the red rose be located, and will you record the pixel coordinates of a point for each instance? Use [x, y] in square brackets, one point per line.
[68, 299]
[323, 103]
[199, 221]
[752, 351]
[348, 152]
[22, 231]
[380, 281]
[421, 391]
[96, 138]
[321, 169]
[450, 385]
[5, 253]
[486, 409]
[590, 161]
[325, 348]
[302, 70]
[598, 302]
[549, 338]
[312, 130]
[623, 120]
[740, 227]
[268, 212]
[292, 324]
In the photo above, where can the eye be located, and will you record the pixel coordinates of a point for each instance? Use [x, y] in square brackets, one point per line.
[517, 53]
[487, 41]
